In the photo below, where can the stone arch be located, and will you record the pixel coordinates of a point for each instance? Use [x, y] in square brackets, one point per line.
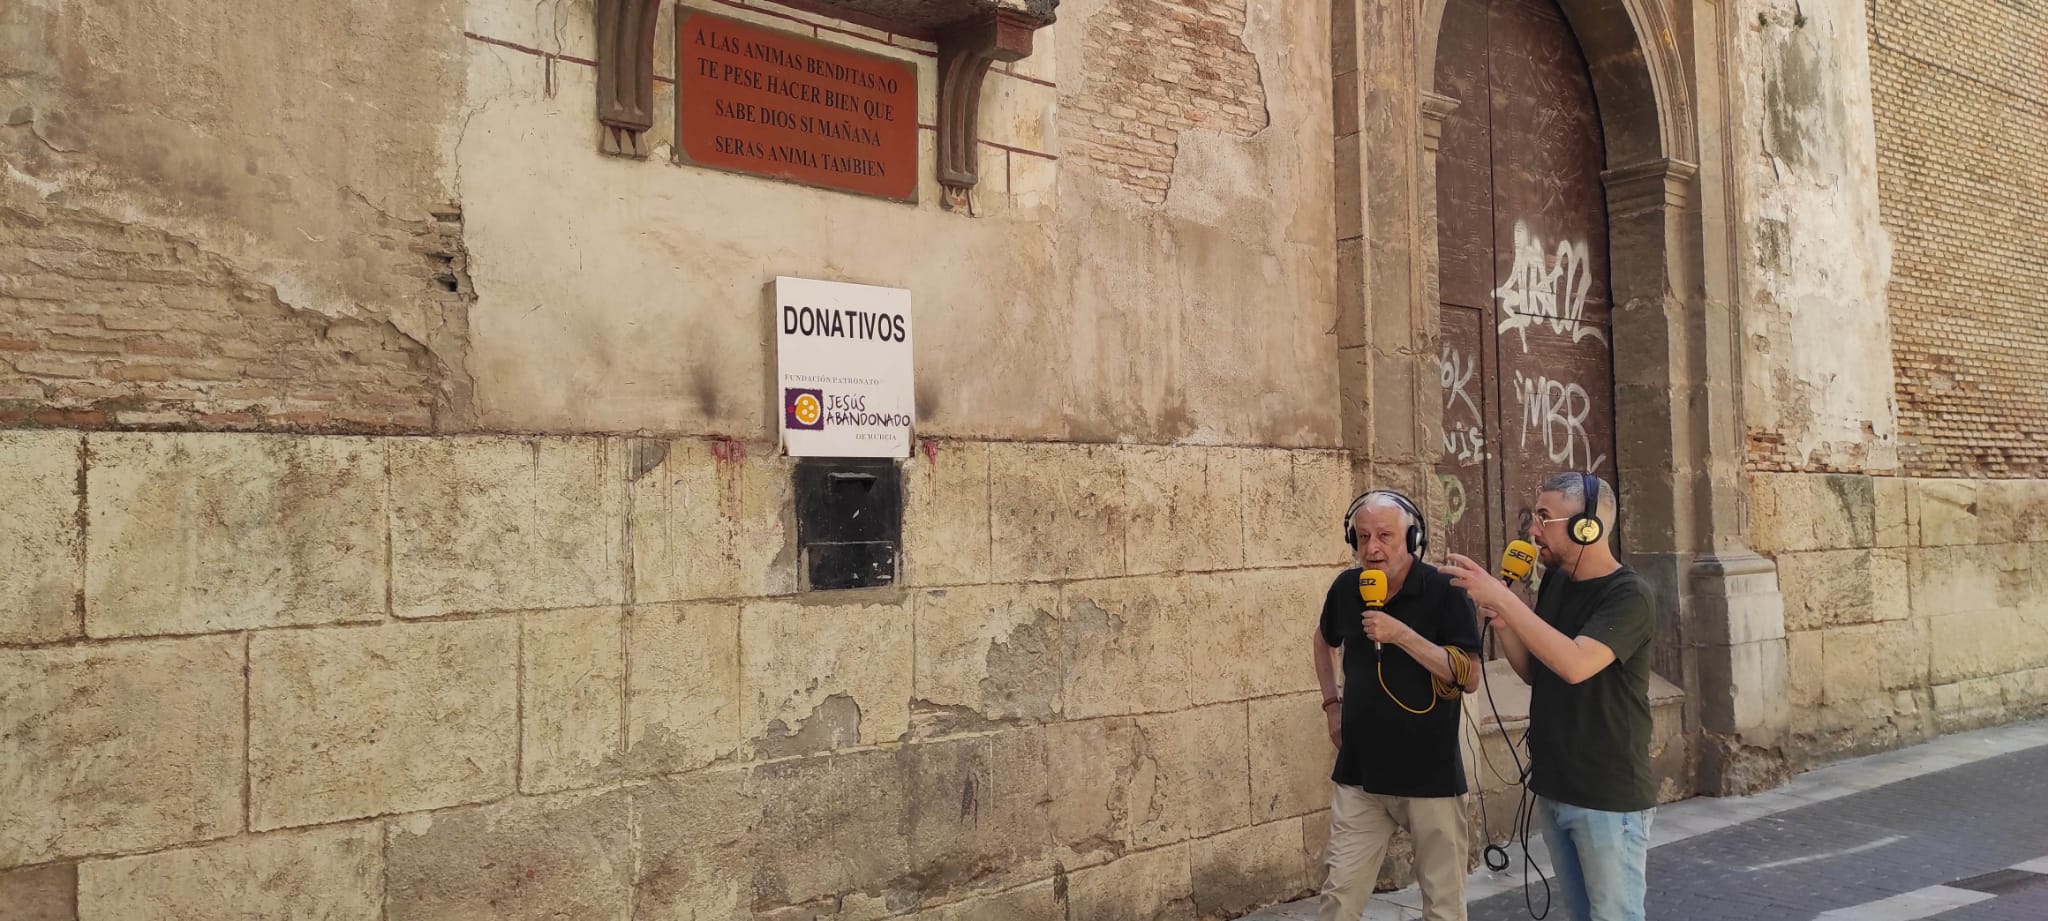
[1631, 47]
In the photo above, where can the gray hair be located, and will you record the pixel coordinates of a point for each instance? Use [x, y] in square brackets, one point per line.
[1383, 500]
[1571, 485]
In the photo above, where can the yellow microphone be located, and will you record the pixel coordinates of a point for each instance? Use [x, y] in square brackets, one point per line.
[1372, 586]
[1517, 560]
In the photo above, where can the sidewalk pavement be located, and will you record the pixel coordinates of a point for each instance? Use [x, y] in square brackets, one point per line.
[1955, 829]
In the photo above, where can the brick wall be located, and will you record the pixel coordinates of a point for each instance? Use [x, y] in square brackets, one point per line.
[249, 676]
[1156, 68]
[1961, 90]
[111, 324]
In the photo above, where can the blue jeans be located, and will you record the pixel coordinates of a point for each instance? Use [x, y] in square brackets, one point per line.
[1600, 858]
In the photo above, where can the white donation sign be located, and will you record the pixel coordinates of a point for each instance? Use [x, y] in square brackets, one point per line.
[843, 368]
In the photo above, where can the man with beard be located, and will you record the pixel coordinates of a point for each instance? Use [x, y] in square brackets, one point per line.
[1585, 653]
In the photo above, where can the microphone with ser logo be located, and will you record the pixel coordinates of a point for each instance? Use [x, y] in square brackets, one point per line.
[1517, 560]
[1372, 586]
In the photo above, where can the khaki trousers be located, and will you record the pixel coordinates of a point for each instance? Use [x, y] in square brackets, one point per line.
[1361, 825]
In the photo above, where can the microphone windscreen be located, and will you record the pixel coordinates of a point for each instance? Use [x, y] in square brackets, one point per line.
[1517, 560]
[1372, 586]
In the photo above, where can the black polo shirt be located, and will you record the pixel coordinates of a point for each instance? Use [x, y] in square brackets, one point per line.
[1384, 748]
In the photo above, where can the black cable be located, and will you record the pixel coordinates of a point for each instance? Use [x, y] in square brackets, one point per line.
[1496, 856]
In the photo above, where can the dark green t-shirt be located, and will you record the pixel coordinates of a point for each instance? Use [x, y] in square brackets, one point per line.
[1589, 743]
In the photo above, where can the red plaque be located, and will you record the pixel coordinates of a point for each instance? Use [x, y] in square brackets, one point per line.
[754, 100]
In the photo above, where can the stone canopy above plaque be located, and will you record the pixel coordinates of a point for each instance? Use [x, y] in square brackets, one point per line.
[971, 35]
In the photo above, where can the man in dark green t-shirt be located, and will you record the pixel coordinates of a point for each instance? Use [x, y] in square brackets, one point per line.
[1585, 653]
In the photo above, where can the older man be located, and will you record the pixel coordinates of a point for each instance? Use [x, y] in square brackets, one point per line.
[1396, 723]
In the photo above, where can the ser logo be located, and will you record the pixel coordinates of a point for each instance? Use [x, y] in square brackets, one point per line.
[804, 409]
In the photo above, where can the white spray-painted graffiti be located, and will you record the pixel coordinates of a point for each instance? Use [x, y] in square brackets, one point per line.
[1552, 292]
[1559, 410]
[1464, 436]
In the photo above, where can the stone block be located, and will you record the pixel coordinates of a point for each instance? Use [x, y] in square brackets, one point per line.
[1892, 525]
[1315, 843]
[1184, 511]
[945, 514]
[1943, 512]
[711, 521]
[1125, 646]
[696, 856]
[1969, 704]
[118, 748]
[1019, 113]
[1977, 644]
[826, 842]
[353, 722]
[1192, 775]
[1034, 181]
[1294, 508]
[2026, 691]
[328, 873]
[1056, 512]
[1869, 660]
[1249, 632]
[1240, 870]
[1829, 587]
[1395, 432]
[2012, 511]
[45, 893]
[1803, 511]
[819, 677]
[1891, 585]
[505, 524]
[1155, 885]
[683, 700]
[1091, 765]
[209, 533]
[977, 811]
[567, 856]
[1030, 903]
[1291, 757]
[1747, 683]
[1949, 580]
[41, 546]
[1805, 674]
[572, 698]
[994, 650]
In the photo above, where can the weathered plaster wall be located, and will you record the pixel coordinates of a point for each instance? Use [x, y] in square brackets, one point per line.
[262, 676]
[1817, 379]
[622, 295]
[230, 215]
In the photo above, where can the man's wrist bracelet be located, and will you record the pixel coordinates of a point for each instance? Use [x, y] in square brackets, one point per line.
[1333, 700]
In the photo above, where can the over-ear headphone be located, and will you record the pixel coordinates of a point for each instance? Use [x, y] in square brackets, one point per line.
[1586, 527]
[1417, 537]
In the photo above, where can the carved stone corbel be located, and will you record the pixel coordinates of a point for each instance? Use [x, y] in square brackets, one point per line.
[966, 51]
[625, 74]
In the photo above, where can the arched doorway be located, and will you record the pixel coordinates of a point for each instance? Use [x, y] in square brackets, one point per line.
[1525, 314]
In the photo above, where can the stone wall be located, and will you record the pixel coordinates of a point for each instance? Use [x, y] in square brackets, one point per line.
[1913, 606]
[440, 678]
